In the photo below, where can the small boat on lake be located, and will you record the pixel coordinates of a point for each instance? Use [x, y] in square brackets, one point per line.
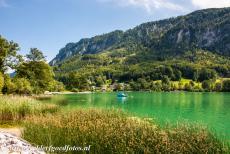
[122, 95]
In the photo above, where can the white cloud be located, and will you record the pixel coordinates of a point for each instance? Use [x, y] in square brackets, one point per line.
[211, 3]
[148, 5]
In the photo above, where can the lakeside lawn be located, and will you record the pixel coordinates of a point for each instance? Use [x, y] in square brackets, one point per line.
[107, 131]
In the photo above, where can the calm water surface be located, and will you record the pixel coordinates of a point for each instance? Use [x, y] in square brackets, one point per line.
[211, 109]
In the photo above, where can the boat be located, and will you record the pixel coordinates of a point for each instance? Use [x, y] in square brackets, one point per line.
[122, 95]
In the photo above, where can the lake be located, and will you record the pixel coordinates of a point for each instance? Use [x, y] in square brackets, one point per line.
[211, 109]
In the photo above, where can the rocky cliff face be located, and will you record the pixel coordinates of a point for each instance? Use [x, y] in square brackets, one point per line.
[205, 29]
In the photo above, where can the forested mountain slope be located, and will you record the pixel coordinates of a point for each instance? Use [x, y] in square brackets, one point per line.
[205, 29]
[195, 47]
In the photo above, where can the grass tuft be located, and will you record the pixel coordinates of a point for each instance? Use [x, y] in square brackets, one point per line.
[16, 108]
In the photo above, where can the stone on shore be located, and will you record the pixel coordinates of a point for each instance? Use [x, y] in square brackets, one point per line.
[10, 144]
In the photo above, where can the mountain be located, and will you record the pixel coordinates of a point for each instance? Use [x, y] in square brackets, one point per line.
[194, 47]
[208, 30]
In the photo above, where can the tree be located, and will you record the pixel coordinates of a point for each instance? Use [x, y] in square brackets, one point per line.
[207, 74]
[22, 86]
[226, 85]
[177, 75]
[218, 86]
[1, 82]
[99, 81]
[55, 86]
[39, 74]
[195, 75]
[165, 80]
[35, 55]
[143, 83]
[8, 54]
[9, 86]
[207, 85]
[188, 87]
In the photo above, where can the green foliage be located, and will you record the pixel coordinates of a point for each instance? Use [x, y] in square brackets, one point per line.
[83, 74]
[8, 54]
[1, 82]
[177, 75]
[38, 73]
[100, 81]
[22, 86]
[35, 55]
[207, 85]
[160, 39]
[55, 86]
[207, 74]
[17, 86]
[149, 52]
[226, 85]
[188, 87]
[32, 76]
[9, 86]
[165, 80]
[218, 87]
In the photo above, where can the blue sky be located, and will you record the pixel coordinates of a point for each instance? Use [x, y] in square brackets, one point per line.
[50, 24]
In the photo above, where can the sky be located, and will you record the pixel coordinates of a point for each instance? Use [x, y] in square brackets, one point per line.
[50, 24]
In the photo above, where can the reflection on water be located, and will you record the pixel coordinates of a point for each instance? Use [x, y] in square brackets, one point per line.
[212, 109]
[121, 99]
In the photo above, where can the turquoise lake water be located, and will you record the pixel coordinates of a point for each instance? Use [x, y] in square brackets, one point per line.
[209, 109]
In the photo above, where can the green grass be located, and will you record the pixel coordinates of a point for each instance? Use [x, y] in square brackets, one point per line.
[16, 108]
[115, 132]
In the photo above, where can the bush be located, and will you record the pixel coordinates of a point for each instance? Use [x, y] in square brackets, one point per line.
[9, 86]
[188, 87]
[207, 74]
[156, 86]
[165, 80]
[22, 86]
[56, 86]
[218, 86]
[207, 85]
[226, 85]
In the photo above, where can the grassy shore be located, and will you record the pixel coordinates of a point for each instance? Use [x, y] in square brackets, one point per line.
[115, 132]
[105, 130]
[14, 109]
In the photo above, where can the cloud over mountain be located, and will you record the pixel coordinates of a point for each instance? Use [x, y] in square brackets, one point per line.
[148, 5]
[175, 5]
[211, 3]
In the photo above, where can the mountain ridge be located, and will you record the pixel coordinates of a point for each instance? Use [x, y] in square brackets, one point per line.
[207, 29]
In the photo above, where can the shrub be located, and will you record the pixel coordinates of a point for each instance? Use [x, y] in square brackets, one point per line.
[207, 85]
[165, 80]
[207, 74]
[226, 85]
[55, 86]
[9, 86]
[188, 87]
[22, 86]
[218, 86]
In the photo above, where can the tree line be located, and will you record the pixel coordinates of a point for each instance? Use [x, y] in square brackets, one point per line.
[32, 74]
